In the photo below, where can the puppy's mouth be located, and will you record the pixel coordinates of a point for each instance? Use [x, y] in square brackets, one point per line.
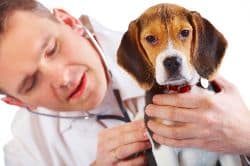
[182, 80]
[174, 80]
[179, 83]
[179, 80]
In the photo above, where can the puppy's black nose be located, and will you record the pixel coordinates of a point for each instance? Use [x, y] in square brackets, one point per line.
[172, 64]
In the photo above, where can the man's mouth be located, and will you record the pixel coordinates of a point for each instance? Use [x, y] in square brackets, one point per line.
[78, 91]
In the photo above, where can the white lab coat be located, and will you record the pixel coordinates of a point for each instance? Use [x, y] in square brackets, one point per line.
[39, 140]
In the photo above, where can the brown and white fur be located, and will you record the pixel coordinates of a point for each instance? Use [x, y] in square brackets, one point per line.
[170, 45]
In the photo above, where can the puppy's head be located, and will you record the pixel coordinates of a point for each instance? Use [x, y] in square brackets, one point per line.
[168, 44]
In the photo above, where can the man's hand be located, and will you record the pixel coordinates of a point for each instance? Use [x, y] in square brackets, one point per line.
[220, 122]
[119, 145]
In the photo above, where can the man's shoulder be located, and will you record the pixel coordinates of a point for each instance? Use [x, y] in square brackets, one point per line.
[104, 33]
[94, 26]
[33, 134]
[30, 125]
[28, 135]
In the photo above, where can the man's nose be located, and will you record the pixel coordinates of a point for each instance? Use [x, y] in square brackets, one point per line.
[57, 75]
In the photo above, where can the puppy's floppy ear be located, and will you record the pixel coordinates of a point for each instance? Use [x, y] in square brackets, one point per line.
[132, 57]
[208, 46]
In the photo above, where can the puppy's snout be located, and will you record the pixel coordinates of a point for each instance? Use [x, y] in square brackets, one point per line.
[172, 64]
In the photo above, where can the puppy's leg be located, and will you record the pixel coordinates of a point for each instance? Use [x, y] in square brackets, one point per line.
[197, 157]
[148, 153]
[165, 156]
[230, 160]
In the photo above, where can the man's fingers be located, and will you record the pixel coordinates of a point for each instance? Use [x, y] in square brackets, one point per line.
[124, 139]
[127, 150]
[185, 131]
[193, 143]
[125, 128]
[180, 143]
[185, 100]
[172, 113]
[139, 160]
[222, 83]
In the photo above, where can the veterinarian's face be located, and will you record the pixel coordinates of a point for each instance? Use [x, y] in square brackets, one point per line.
[45, 63]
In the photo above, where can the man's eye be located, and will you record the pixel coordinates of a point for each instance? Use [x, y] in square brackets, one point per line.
[52, 48]
[31, 83]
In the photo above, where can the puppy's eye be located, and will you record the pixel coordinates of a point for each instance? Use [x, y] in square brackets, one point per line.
[184, 34]
[151, 39]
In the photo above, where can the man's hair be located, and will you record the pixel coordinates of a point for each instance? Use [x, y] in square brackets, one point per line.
[7, 7]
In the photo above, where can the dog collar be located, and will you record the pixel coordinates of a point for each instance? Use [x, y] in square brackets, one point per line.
[203, 83]
[179, 88]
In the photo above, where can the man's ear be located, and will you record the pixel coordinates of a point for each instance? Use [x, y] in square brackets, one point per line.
[65, 18]
[16, 102]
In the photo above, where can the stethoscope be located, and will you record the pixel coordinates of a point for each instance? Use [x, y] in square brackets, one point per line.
[87, 115]
[125, 118]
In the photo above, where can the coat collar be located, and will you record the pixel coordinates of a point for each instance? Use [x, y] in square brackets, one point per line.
[109, 41]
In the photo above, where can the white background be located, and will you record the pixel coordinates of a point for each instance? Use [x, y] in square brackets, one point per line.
[232, 18]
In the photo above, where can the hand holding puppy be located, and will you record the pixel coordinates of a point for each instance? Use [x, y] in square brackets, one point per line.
[116, 146]
[217, 123]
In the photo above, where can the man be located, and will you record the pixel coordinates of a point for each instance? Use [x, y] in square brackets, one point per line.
[48, 64]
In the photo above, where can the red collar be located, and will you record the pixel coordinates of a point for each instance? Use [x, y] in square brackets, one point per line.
[179, 88]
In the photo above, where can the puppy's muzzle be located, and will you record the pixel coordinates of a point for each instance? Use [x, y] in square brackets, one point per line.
[173, 66]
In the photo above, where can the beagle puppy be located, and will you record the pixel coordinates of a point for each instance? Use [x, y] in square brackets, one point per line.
[170, 49]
